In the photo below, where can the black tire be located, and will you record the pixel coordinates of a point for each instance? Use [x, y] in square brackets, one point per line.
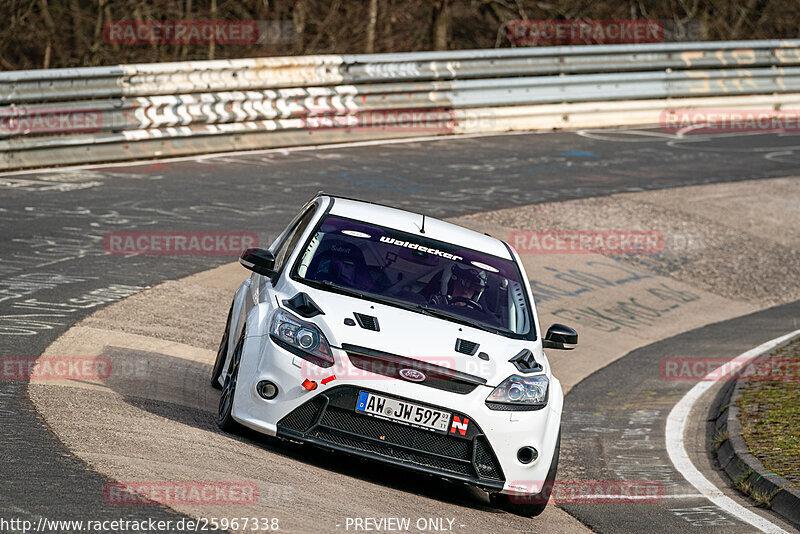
[222, 352]
[224, 418]
[532, 509]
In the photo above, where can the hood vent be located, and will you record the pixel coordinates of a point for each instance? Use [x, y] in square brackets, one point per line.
[525, 362]
[466, 347]
[303, 305]
[367, 322]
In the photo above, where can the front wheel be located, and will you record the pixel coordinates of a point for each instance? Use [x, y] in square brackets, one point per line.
[530, 505]
[225, 418]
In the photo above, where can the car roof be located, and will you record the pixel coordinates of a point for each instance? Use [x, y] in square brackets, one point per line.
[410, 222]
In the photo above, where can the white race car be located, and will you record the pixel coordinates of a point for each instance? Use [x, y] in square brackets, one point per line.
[400, 338]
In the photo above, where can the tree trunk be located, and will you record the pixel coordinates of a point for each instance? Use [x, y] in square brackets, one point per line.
[212, 43]
[373, 21]
[299, 19]
[441, 22]
[186, 16]
[51, 35]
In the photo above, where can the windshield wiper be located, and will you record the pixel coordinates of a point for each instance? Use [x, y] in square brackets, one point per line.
[327, 284]
[408, 305]
[457, 318]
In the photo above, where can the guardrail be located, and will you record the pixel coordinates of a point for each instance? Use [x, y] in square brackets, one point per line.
[68, 116]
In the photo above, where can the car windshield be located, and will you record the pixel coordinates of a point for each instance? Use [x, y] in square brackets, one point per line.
[417, 273]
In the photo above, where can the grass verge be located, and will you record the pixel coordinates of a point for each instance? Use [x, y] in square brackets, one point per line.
[769, 411]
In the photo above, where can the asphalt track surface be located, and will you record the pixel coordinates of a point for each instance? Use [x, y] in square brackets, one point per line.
[54, 271]
[617, 417]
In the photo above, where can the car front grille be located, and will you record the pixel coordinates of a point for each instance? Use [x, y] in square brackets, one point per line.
[397, 434]
[435, 376]
[330, 420]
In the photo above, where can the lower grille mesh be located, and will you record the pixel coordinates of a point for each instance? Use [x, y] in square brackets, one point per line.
[396, 452]
[396, 434]
[330, 418]
[485, 461]
[303, 417]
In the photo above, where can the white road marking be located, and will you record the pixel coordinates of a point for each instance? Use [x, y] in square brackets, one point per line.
[645, 134]
[676, 426]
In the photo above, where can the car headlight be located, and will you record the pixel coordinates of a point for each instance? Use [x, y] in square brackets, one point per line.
[301, 338]
[520, 393]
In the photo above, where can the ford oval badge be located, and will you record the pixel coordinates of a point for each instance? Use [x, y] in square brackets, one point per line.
[412, 374]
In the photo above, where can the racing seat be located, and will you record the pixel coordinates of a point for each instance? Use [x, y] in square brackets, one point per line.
[341, 263]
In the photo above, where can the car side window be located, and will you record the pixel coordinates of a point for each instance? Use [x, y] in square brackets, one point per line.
[290, 242]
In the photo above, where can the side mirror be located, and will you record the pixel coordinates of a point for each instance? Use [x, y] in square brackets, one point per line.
[259, 260]
[559, 336]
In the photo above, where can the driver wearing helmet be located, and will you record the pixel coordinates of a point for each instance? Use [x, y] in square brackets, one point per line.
[465, 287]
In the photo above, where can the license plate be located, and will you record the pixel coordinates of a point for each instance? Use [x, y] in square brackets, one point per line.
[403, 412]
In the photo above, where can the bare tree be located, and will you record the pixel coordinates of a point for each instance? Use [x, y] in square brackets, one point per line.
[441, 24]
[373, 22]
[70, 33]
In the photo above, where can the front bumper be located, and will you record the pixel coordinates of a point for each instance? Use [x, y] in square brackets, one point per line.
[330, 420]
[486, 456]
